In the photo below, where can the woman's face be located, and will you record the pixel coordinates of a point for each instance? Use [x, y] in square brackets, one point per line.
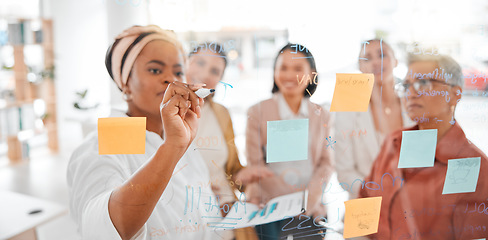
[436, 103]
[158, 64]
[373, 62]
[206, 67]
[289, 71]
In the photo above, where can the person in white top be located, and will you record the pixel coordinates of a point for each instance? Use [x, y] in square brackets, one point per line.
[215, 141]
[359, 135]
[153, 195]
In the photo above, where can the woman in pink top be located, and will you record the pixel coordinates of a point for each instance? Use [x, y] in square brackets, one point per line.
[292, 88]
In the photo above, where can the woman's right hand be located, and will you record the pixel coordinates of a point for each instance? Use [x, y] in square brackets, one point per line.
[252, 174]
[180, 110]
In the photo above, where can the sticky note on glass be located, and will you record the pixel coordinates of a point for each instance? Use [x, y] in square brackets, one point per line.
[462, 175]
[122, 135]
[418, 148]
[362, 216]
[287, 140]
[352, 92]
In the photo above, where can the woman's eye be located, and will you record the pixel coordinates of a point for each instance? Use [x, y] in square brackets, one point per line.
[215, 72]
[154, 71]
[423, 82]
[180, 74]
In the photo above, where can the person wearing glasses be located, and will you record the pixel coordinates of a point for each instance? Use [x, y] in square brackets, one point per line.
[413, 204]
[359, 134]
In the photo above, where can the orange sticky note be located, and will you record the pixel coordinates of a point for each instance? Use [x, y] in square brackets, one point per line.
[352, 92]
[122, 135]
[362, 216]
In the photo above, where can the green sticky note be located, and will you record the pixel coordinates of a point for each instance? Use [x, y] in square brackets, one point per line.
[418, 148]
[287, 140]
[462, 175]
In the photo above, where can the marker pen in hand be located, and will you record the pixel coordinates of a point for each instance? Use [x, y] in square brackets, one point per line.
[204, 92]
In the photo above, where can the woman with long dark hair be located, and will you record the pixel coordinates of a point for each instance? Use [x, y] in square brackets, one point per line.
[295, 80]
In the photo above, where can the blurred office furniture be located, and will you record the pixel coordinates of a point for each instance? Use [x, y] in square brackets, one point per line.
[21, 214]
[27, 90]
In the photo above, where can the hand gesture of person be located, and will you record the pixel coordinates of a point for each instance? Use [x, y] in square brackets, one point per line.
[180, 110]
[251, 174]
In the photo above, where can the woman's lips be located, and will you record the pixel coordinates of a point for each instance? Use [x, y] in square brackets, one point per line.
[414, 105]
[289, 84]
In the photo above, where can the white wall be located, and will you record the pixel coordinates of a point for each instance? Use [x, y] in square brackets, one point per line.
[83, 31]
[122, 14]
[80, 40]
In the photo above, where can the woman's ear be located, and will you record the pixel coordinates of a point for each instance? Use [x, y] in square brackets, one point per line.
[125, 90]
[456, 93]
[126, 87]
[126, 94]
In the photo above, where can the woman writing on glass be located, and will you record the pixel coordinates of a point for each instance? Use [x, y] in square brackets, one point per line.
[290, 100]
[144, 196]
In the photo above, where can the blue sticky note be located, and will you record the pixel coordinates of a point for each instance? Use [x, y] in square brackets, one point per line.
[418, 148]
[287, 140]
[462, 175]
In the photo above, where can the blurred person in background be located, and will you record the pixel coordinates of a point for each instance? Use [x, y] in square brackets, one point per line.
[291, 101]
[360, 134]
[413, 204]
[215, 136]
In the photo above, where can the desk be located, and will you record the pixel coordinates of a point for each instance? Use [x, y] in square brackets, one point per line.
[18, 217]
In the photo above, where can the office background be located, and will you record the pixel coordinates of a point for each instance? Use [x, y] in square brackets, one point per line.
[252, 30]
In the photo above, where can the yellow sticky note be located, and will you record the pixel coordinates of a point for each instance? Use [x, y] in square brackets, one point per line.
[362, 216]
[352, 92]
[122, 135]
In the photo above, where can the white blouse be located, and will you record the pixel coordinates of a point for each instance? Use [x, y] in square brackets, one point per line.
[211, 144]
[184, 209]
[358, 145]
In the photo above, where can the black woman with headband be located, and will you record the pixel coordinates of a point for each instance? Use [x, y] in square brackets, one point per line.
[146, 196]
